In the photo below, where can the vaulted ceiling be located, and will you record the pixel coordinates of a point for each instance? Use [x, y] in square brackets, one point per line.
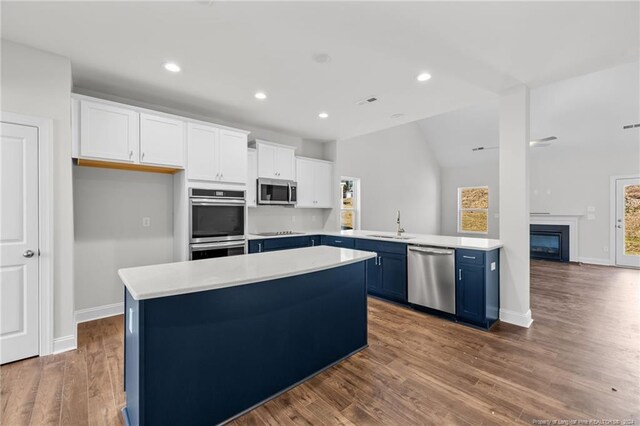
[230, 50]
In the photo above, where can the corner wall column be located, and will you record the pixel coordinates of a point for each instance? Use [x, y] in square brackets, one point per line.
[514, 207]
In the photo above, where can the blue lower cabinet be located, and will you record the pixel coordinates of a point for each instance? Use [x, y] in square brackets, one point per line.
[387, 273]
[394, 276]
[328, 240]
[477, 287]
[374, 277]
[315, 240]
[275, 244]
[256, 246]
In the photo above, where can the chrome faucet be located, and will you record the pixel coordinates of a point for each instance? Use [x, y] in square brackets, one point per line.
[400, 228]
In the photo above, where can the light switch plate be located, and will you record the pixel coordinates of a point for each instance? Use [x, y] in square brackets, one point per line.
[146, 222]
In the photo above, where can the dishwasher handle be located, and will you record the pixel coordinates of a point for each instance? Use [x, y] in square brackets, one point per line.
[429, 250]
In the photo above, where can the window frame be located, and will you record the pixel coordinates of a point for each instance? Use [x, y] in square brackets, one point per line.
[356, 206]
[460, 210]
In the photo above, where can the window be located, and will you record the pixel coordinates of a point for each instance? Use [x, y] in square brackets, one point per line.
[350, 203]
[473, 210]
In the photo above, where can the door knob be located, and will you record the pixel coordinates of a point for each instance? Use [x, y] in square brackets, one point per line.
[28, 253]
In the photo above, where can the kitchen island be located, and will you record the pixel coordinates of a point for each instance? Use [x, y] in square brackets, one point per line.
[206, 341]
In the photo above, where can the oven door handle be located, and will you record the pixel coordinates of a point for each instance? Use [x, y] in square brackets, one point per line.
[226, 203]
[202, 247]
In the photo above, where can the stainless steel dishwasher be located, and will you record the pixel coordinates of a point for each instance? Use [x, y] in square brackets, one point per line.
[431, 274]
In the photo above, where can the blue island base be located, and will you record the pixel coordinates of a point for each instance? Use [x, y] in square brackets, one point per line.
[208, 357]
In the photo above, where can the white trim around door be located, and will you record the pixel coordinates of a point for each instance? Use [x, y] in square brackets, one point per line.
[45, 223]
[612, 215]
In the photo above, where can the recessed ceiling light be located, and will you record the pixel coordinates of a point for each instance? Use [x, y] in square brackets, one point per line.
[423, 77]
[260, 95]
[322, 58]
[323, 115]
[172, 66]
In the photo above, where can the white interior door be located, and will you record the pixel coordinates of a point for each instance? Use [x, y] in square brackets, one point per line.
[628, 222]
[18, 242]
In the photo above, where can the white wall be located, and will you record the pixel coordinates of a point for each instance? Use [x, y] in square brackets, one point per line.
[398, 171]
[452, 178]
[108, 209]
[586, 113]
[38, 83]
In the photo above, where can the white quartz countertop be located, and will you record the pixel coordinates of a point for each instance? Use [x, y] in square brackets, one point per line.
[484, 244]
[170, 279]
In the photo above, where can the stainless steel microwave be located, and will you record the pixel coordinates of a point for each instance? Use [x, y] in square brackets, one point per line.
[277, 192]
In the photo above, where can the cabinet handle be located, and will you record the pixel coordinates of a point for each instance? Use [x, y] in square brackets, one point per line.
[221, 176]
[130, 154]
[337, 241]
[469, 257]
[380, 261]
[313, 243]
[459, 274]
[375, 260]
[142, 156]
[259, 247]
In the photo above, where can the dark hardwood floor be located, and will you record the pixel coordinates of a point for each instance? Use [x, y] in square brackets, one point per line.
[579, 360]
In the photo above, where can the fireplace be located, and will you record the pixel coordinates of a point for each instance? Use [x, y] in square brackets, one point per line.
[549, 242]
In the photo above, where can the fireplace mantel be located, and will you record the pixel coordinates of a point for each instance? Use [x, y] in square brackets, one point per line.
[561, 219]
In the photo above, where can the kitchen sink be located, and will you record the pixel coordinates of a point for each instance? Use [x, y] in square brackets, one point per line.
[391, 237]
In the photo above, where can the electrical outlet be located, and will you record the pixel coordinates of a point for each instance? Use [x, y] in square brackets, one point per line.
[591, 209]
[146, 222]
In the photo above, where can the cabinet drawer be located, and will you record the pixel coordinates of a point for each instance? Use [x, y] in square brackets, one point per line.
[470, 257]
[285, 243]
[381, 246]
[338, 241]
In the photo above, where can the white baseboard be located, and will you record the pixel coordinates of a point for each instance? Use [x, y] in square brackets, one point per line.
[594, 261]
[90, 314]
[516, 318]
[64, 344]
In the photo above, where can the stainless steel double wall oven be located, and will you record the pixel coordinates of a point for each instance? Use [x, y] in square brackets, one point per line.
[216, 223]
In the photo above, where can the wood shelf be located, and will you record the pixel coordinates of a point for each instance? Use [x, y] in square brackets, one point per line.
[126, 166]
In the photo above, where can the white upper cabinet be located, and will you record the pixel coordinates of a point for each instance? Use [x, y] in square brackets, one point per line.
[324, 185]
[232, 156]
[202, 142]
[215, 154]
[276, 161]
[306, 183]
[252, 176]
[108, 132]
[315, 178]
[161, 141]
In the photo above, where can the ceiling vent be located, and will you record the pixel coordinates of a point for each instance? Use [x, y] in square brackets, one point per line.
[631, 126]
[367, 101]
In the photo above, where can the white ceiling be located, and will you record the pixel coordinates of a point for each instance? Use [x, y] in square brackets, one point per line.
[229, 50]
[585, 113]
